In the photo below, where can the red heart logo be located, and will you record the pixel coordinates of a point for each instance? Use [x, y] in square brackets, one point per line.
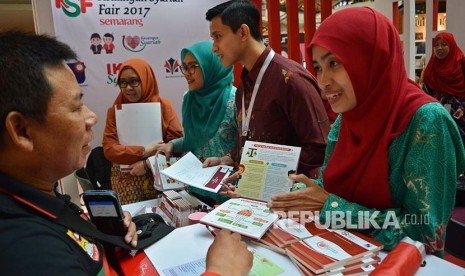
[133, 41]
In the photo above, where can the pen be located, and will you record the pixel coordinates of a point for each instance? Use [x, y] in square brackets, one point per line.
[211, 230]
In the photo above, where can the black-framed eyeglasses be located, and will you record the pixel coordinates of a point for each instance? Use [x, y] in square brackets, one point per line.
[131, 82]
[189, 69]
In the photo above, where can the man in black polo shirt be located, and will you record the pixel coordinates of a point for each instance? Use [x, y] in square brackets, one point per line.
[45, 131]
[45, 134]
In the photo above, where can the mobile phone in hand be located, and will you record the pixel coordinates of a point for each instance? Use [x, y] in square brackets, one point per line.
[105, 211]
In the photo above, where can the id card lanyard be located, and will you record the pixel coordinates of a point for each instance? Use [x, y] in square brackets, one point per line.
[246, 117]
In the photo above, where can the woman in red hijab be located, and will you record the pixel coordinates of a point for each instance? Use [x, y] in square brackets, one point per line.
[394, 154]
[444, 77]
[138, 85]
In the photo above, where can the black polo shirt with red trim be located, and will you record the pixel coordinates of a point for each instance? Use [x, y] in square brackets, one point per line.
[32, 244]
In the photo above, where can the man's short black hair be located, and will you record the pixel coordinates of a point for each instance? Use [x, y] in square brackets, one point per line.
[237, 12]
[23, 85]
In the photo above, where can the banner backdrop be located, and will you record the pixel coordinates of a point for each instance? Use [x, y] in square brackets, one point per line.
[104, 33]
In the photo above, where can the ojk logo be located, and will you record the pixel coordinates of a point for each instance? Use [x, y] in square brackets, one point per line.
[73, 8]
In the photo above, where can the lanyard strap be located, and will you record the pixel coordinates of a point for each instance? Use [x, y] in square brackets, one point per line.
[69, 218]
[246, 117]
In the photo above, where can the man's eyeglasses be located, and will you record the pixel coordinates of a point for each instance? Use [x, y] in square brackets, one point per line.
[131, 82]
[189, 69]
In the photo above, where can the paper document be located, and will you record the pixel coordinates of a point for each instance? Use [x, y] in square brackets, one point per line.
[265, 169]
[138, 124]
[189, 170]
[193, 268]
[248, 217]
[162, 182]
[263, 266]
[294, 228]
[189, 245]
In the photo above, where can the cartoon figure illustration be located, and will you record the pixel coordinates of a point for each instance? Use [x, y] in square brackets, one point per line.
[240, 171]
[95, 40]
[108, 43]
[241, 168]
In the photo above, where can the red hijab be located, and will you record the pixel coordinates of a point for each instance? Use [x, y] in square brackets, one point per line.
[368, 46]
[446, 75]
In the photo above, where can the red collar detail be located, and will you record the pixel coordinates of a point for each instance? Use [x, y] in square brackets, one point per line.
[22, 200]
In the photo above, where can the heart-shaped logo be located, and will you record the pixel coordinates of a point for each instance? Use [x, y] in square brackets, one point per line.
[133, 41]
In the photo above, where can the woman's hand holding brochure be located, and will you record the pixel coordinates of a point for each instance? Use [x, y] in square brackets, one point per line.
[312, 198]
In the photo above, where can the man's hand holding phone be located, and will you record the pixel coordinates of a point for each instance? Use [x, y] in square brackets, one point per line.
[106, 213]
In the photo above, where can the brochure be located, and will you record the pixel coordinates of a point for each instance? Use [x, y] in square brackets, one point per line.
[307, 267]
[162, 182]
[189, 170]
[317, 250]
[290, 231]
[245, 216]
[265, 168]
[334, 249]
[267, 242]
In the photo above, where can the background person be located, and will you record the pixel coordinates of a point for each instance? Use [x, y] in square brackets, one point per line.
[287, 109]
[138, 85]
[394, 149]
[444, 77]
[208, 111]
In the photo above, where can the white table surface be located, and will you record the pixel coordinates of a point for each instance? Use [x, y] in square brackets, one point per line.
[135, 207]
[190, 243]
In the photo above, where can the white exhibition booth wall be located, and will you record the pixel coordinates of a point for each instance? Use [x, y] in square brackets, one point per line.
[154, 30]
[157, 30]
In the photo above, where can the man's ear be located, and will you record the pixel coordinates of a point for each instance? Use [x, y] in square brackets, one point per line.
[18, 128]
[244, 32]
